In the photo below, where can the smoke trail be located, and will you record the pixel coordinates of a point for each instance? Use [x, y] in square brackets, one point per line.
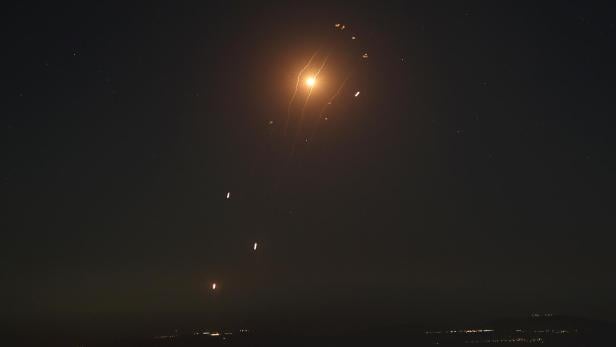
[301, 117]
[299, 75]
[310, 91]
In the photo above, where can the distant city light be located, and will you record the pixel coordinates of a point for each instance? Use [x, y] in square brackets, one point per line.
[462, 331]
[536, 315]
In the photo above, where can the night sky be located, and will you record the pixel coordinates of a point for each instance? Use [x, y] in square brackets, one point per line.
[472, 177]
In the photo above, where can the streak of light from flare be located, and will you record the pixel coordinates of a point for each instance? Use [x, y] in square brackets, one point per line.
[299, 76]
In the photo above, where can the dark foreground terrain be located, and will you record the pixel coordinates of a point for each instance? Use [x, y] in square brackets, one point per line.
[537, 329]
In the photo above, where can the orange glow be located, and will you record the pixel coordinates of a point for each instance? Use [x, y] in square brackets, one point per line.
[311, 81]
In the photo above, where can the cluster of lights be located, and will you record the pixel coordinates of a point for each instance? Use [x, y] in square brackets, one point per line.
[508, 340]
[461, 331]
[547, 331]
[537, 315]
[207, 333]
[479, 331]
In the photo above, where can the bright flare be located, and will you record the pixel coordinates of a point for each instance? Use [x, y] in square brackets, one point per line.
[357, 93]
[228, 195]
[254, 246]
[310, 81]
[213, 286]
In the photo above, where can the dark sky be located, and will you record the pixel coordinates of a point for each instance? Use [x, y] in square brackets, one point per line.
[472, 177]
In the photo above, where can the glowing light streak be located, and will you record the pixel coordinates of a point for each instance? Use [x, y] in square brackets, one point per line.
[299, 76]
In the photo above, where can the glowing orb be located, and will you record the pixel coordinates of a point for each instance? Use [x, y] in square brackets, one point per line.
[310, 81]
